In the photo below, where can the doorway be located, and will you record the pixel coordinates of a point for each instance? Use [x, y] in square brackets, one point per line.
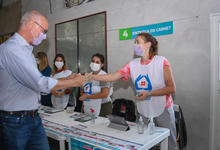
[214, 143]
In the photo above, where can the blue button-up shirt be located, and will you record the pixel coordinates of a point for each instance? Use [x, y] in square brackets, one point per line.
[20, 80]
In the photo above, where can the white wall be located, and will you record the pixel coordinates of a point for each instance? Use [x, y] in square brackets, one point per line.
[188, 49]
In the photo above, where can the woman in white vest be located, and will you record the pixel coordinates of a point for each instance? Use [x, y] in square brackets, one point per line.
[96, 94]
[60, 98]
[153, 81]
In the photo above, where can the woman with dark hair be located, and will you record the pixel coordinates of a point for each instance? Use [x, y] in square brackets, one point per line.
[152, 76]
[44, 68]
[96, 95]
[60, 98]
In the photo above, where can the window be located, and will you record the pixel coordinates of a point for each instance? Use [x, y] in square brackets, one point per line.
[79, 39]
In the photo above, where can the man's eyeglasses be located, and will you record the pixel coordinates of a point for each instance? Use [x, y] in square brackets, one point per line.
[45, 31]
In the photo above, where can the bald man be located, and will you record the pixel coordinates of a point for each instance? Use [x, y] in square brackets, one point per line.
[21, 84]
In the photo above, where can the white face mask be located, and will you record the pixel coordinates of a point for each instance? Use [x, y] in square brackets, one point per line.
[94, 66]
[59, 64]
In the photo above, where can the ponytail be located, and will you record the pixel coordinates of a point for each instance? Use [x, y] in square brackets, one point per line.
[154, 43]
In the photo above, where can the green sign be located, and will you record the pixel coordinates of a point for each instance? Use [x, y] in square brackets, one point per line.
[154, 29]
[125, 34]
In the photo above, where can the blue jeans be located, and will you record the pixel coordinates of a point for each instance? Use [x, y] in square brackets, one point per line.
[22, 133]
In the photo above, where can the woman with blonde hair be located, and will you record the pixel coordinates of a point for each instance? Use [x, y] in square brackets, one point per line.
[45, 69]
[43, 64]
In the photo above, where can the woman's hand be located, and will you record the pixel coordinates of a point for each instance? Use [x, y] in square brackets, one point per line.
[89, 77]
[143, 95]
[55, 93]
[61, 93]
[67, 91]
[83, 97]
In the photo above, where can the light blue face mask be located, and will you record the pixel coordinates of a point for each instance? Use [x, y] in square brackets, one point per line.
[138, 51]
[38, 40]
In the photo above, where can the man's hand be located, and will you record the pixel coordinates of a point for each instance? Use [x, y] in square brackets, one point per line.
[77, 81]
[72, 76]
[80, 80]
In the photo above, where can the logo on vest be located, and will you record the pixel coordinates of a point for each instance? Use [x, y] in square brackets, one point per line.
[87, 89]
[142, 83]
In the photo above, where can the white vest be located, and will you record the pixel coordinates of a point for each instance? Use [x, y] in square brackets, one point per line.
[147, 78]
[60, 102]
[92, 88]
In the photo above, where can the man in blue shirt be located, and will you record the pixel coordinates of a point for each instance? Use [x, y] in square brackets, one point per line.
[21, 84]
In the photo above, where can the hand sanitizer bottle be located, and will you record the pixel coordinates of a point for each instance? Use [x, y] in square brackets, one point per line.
[140, 125]
[151, 126]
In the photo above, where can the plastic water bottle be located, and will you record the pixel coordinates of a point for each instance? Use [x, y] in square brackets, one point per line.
[151, 126]
[140, 125]
[92, 119]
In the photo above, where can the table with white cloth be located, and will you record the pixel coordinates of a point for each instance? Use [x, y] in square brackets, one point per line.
[62, 126]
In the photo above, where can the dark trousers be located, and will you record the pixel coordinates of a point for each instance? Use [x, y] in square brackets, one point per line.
[22, 133]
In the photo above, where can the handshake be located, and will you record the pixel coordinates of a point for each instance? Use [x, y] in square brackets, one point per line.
[80, 79]
[73, 80]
